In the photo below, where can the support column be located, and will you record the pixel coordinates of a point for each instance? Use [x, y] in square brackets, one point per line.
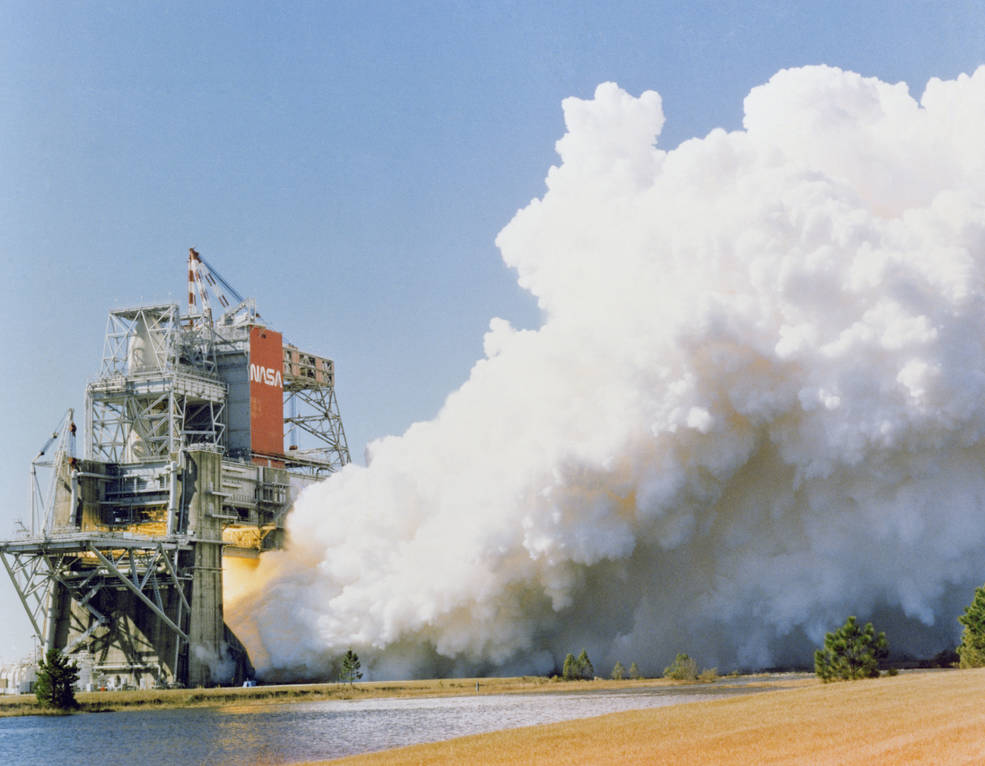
[58, 608]
[206, 648]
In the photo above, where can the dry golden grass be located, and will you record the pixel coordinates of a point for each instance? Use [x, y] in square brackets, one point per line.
[914, 718]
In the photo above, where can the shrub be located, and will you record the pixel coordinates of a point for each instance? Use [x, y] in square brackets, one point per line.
[683, 668]
[850, 653]
[708, 675]
[972, 649]
[56, 677]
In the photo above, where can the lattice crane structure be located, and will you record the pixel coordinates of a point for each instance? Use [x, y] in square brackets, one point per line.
[184, 464]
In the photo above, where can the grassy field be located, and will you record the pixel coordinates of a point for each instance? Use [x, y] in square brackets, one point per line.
[929, 717]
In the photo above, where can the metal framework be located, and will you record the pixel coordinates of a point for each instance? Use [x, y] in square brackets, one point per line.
[158, 389]
[204, 279]
[312, 408]
[43, 484]
[87, 566]
[123, 558]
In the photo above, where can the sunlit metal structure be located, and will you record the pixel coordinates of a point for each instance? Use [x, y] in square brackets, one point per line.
[184, 463]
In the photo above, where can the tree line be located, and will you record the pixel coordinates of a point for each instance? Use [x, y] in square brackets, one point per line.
[854, 651]
[851, 652]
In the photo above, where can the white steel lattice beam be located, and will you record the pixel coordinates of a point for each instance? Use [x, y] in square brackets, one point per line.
[315, 411]
[30, 576]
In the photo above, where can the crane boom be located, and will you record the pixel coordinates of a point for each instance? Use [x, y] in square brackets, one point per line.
[203, 279]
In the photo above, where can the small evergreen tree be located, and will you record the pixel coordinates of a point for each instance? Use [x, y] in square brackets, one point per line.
[56, 679]
[850, 653]
[972, 649]
[634, 672]
[585, 668]
[683, 668]
[570, 670]
[618, 672]
[350, 671]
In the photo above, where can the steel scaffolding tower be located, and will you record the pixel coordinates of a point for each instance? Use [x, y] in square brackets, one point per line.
[158, 390]
[184, 463]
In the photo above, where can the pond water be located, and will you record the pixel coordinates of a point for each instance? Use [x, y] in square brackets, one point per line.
[297, 732]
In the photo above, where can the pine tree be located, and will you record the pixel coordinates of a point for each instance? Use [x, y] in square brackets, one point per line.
[850, 653]
[570, 670]
[634, 672]
[56, 678]
[618, 672]
[350, 671]
[684, 668]
[972, 649]
[585, 668]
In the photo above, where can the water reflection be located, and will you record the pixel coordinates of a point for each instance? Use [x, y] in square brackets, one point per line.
[297, 732]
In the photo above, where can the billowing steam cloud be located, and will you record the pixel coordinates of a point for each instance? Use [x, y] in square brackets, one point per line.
[756, 405]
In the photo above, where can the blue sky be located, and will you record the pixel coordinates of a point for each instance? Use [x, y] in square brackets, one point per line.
[348, 164]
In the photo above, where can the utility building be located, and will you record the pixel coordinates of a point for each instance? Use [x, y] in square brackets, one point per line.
[184, 463]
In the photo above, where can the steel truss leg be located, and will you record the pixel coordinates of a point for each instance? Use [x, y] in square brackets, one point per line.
[29, 577]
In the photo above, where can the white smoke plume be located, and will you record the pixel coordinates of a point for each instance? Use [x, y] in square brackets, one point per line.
[756, 405]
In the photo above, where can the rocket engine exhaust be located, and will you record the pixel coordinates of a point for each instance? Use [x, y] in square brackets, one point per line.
[755, 405]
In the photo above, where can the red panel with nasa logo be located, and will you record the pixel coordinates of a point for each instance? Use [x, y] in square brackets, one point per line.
[266, 391]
